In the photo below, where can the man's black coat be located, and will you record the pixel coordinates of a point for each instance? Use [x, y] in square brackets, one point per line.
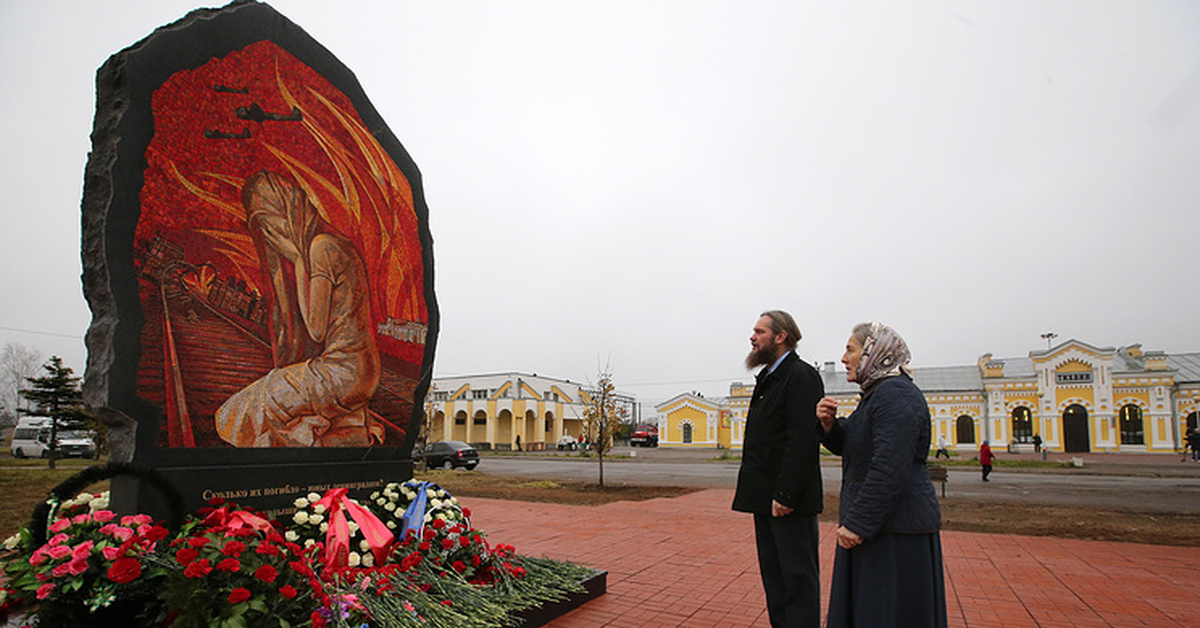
[780, 449]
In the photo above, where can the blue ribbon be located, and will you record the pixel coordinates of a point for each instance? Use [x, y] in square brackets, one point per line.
[414, 515]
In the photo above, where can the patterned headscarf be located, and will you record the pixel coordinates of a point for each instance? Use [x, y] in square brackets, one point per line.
[884, 355]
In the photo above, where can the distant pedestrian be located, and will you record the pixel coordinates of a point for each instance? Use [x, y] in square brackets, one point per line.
[985, 458]
[941, 448]
[518, 442]
[1193, 440]
[1037, 443]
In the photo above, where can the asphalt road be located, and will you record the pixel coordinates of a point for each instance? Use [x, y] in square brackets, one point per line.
[1150, 484]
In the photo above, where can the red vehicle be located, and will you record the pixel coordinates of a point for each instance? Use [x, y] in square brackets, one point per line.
[644, 436]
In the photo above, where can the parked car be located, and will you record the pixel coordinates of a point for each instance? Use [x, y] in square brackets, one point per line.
[644, 436]
[31, 439]
[450, 454]
[568, 443]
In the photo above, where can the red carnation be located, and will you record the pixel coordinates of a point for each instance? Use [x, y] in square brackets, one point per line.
[287, 591]
[124, 570]
[198, 569]
[232, 565]
[464, 541]
[198, 541]
[266, 573]
[447, 543]
[438, 524]
[239, 595]
[186, 555]
[233, 548]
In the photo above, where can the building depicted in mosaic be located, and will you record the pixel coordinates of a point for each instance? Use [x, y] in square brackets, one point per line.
[492, 411]
[1075, 396]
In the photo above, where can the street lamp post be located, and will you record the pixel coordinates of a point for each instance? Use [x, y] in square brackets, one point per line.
[1048, 336]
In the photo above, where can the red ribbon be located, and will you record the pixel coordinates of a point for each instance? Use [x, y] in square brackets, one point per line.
[237, 520]
[337, 538]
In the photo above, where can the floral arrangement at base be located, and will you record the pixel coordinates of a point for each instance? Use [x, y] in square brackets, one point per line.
[407, 557]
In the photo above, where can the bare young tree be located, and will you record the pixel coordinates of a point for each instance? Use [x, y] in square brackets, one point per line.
[17, 363]
[602, 416]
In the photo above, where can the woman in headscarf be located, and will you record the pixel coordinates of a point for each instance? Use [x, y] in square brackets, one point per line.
[327, 365]
[887, 567]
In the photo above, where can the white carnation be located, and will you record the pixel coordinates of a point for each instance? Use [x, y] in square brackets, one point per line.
[319, 508]
[354, 559]
[368, 560]
[300, 518]
[300, 502]
[291, 536]
[324, 528]
[389, 506]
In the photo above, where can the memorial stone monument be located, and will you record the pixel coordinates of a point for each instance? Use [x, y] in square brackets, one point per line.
[258, 263]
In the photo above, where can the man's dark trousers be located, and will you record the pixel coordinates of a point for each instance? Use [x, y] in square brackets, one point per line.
[788, 563]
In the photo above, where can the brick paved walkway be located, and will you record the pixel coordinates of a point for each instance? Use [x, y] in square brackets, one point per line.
[689, 561]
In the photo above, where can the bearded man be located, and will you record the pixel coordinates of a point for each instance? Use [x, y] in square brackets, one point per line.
[779, 481]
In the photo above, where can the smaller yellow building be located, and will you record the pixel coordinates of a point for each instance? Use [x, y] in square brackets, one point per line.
[1075, 397]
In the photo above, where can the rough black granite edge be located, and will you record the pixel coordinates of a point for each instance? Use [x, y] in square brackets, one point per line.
[594, 586]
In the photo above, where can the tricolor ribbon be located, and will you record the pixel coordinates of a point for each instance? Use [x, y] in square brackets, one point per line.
[337, 538]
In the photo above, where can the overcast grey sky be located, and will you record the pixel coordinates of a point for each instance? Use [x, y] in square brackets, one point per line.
[631, 182]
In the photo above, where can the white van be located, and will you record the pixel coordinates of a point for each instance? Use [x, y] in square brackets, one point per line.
[31, 439]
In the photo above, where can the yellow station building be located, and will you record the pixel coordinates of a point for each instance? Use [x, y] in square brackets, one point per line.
[490, 411]
[1076, 397]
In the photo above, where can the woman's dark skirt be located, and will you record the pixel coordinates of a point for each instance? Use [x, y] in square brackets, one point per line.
[891, 580]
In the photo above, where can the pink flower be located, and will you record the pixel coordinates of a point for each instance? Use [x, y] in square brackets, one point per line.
[130, 520]
[38, 558]
[44, 591]
[81, 518]
[72, 567]
[58, 539]
[111, 552]
[60, 525]
[83, 550]
[59, 551]
[104, 516]
[121, 533]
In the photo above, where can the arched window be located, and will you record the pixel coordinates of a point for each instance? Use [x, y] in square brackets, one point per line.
[687, 432]
[1022, 425]
[1131, 425]
[965, 428]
